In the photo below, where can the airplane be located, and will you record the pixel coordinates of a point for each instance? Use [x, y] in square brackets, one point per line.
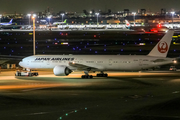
[146, 29]
[63, 65]
[9, 23]
[60, 23]
[128, 25]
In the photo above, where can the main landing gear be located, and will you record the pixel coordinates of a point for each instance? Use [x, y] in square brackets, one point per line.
[87, 76]
[102, 74]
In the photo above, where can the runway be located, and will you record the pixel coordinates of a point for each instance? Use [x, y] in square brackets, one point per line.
[130, 96]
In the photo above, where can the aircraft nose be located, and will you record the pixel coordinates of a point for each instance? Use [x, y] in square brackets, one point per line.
[21, 63]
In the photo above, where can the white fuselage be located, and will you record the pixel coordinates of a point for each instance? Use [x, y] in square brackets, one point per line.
[58, 23]
[5, 24]
[100, 62]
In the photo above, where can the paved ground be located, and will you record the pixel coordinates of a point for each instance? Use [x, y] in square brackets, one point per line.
[121, 96]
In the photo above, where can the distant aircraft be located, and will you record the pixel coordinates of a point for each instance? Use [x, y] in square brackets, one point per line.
[128, 25]
[9, 23]
[60, 23]
[147, 28]
[63, 65]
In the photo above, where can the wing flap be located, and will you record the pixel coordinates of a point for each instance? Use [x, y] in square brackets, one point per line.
[82, 67]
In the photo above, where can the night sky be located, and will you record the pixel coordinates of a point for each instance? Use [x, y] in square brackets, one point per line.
[25, 6]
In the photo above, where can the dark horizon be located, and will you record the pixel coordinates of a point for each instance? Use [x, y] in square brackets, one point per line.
[22, 6]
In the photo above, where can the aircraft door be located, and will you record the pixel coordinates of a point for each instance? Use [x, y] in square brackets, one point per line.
[140, 62]
[110, 61]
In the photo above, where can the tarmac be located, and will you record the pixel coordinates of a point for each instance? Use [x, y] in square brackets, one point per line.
[121, 96]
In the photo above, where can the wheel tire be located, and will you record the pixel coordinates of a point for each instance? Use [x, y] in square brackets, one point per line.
[83, 76]
[105, 75]
[91, 76]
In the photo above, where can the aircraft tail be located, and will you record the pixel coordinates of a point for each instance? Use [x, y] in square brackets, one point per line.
[11, 21]
[134, 24]
[127, 23]
[162, 47]
[65, 20]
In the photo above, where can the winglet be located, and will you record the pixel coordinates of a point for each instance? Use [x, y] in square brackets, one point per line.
[11, 21]
[162, 47]
[65, 20]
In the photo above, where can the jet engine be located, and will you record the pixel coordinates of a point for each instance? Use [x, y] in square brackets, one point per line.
[61, 70]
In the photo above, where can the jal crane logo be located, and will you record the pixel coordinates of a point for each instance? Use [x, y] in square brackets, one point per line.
[162, 47]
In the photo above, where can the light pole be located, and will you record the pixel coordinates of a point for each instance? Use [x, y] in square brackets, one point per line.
[97, 17]
[0, 17]
[62, 16]
[34, 46]
[49, 17]
[134, 13]
[29, 17]
[172, 15]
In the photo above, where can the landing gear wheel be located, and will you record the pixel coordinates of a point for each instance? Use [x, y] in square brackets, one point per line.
[90, 76]
[102, 75]
[82, 76]
[87, 76]
[105, 75]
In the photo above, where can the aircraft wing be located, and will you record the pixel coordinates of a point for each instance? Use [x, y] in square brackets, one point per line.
[178, 58]
[10, 59]
[159, 60]
[83, 67]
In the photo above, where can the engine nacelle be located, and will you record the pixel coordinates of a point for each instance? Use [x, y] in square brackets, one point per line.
[61, 70]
